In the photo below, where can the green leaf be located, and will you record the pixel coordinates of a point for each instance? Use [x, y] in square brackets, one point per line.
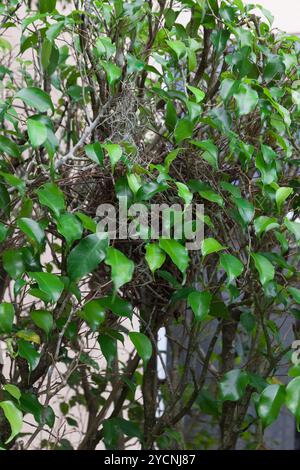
[14, 181]
[95, 153]
[37, 132]
[108, 346]
[233, 385]
[295, 293]
[246, 99]
[281, 196]
[87, 222]
[219, 38]
[114, 152]
[117, 305]
[178, 47]
[48, 283]
[245, 208]
[200, 304]
[7, 313]
[183, 130]
[211, 245]
[199, 94]
[4, 199]
[46, 6]
[35, 98]
[264, 267]
[46, 53]
[3, 232]
[148, 190]
[51, 196]
[293, 227]
[13, 262]
[273, 67]
[184, 193]
[29, 335]
[93, 314]
[177, 252]
[232, 266]
[264, 224]
[292, 399]
[142, 344]
[69, 227]
[87, 255]
[43, 320]
[113, 73]
[32, 229]
[54, 30]
[269, 404]
[9, 147]
[14, 417]
[121, 267]
[155, 257]
[212, 196]
[210, 151]
[28, 352]
[13, 390]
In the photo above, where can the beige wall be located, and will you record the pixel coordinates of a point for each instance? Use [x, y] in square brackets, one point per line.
[286, 13]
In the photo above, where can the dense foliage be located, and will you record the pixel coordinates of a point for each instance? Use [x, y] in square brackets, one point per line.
[164, 102]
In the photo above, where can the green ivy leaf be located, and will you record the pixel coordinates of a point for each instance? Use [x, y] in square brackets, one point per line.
[9, 147]
[246, 99]
[264, 267]
[113, 73]
[121, 267]
[69, 227]
[245, 208]
[46, 6]
[184, 193]
[117, 305]
[199, 94]
[232, 266]
[32, 229]
[200, 304]
[13, 390]
[177, 252]
[233, 385]
[7, 313]
[87, 255]
[114, 152]
[293, 227]
[295, 293]
[292, 400]
[93, 314]
[269, 404]
[281, 196]
[48, 283]
[210, 151]
[14, 417]
[155, 257]
[4, 199]
[108, 346]
[264, 224]
[28, 352]
[211, 245]
[142, 344]
[37, 132]
[36, 98]
[13, 262]
[95, 153]
[51, 196]
[183, 130]
[43, 320]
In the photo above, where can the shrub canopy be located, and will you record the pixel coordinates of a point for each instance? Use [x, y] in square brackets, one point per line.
[161, 102]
